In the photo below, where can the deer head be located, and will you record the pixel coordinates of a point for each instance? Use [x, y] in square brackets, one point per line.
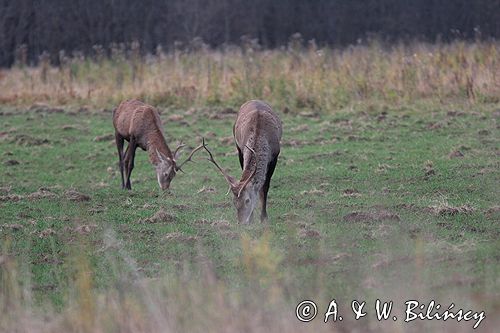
[244, 196]
[167, 167]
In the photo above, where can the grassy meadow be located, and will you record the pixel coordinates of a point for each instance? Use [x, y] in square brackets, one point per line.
[386, 188]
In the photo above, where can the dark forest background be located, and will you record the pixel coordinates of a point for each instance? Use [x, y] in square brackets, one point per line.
[34, 26]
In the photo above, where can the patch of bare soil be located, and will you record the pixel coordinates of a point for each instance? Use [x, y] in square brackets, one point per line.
[207, 190]
[353, 137]
[179, 237]
[351, 193]
[309, 114]
[42, 193]
[10, 197]
[105, 137]
[379, 215]
[308, 234]
[85, 229]
[455, 114]
[5, 189]
[13, 226]
[27, 140]
[11, 162]
[436, 125]
[97, 209]
[161, 216]
[181, 207]
[73, 195]
[456, 154]
[313, 191]
[447, 210]
[47, 259]
[46, 233]
[483, 132]
[220, 225]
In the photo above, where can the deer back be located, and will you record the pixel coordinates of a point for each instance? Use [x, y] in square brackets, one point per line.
[142, 121]
[257, 125]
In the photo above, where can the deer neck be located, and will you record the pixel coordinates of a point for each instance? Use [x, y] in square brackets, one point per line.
[156, 142]
[258, 160]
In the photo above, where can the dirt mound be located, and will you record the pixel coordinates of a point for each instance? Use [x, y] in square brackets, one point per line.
[11, 162]
[5, 189]
[447, 210]
[161, 216]
[351, 192]
[13, 226]
[309, 234]
[46, 233]
[10, 197]
[73, 195]
[456, 154]
[26, 140]
[85, 229]
[179, 237]
[42, 193]
[313, 191]
[207, 190]
[221, 225]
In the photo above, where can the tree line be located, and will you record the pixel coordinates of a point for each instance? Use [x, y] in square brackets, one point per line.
[28, 28]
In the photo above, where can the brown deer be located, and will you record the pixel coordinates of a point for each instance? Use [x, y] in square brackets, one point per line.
[257, 133]
[140, 125]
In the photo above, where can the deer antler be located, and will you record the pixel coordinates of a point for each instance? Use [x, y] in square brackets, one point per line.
[178, 167]
[178, 148]
[228, 178]
[253, 172]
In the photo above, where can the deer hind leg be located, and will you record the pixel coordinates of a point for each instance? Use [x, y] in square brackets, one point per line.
[129, 161]
[265, 189]
[119, 145]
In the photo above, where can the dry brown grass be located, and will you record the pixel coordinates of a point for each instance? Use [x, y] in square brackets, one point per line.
[295, 77]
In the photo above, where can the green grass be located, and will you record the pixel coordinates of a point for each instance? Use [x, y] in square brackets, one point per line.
[365, 203]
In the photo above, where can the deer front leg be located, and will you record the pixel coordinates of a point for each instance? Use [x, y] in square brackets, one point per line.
[129, 161]
[119, 145]
[265, 189]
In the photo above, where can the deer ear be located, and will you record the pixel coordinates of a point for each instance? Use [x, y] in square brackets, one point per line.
[235, 189]
[243, 186]
[161, 156]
